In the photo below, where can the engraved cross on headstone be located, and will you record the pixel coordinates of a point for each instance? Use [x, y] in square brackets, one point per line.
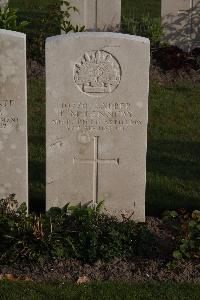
[96, 161]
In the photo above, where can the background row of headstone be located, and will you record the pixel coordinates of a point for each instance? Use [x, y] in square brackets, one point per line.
[180, 18]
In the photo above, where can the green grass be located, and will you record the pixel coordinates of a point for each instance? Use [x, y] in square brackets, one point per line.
[173, 160]
[98, 291]
[144, 7]
[36, 127]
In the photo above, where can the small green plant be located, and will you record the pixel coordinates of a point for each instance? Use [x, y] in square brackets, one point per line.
[186, 227]
[46, 21]
[66, 24]
[81, 232]
[9, 20]
[145, 26]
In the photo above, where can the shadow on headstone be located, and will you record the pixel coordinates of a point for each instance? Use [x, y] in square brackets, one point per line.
[183, 30]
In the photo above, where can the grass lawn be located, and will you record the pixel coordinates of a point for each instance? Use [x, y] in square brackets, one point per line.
[36, 139]
[144, 7]
[98, 291]
[173, 160]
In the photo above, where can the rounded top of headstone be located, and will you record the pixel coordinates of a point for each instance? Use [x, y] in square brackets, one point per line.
[113, 35]
[13, 33]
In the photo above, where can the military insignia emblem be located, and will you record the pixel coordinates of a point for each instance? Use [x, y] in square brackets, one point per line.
[97, 72]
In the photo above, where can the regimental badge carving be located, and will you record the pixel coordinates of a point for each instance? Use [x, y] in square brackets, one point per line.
[97, 72]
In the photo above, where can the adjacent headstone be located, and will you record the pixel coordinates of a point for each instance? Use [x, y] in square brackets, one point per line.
[96, 15]
[3, 3]
[97, 107]
[181, 22]
[13, 116]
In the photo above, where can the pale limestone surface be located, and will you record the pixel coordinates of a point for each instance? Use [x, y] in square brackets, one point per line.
[97, 108]
[3, 2]
[13, 116]
[181, 22]
[96, 15]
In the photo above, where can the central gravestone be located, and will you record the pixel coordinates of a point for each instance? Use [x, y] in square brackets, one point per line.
[13, 116]
[97, 107]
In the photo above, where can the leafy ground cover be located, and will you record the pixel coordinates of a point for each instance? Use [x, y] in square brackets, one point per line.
[75, 240]
[107, 290]
[173, 159]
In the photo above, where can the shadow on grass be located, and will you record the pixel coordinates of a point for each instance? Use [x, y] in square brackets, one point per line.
[36, 139]
[173, 159]
[173, 177]
[37, 174]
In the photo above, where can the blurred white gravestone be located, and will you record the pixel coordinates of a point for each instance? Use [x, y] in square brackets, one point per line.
[181, 23]
[3, 2]
[97, 107]
[13, 116]
[96, 15]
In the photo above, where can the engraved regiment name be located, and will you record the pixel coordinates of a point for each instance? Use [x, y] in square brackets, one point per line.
[99, 117]
[97, 73]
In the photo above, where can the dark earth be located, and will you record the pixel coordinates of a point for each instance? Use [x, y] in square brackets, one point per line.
[159, 268]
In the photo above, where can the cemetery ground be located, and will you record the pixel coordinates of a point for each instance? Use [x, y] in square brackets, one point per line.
[98, 291]
[173, 181]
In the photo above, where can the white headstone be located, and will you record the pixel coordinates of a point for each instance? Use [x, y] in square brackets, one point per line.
[97, 107]
[3, 2]
[181, 22]
[96, 15]
[13, 116]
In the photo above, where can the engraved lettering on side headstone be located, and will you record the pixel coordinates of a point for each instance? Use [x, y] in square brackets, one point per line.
[13, 116]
